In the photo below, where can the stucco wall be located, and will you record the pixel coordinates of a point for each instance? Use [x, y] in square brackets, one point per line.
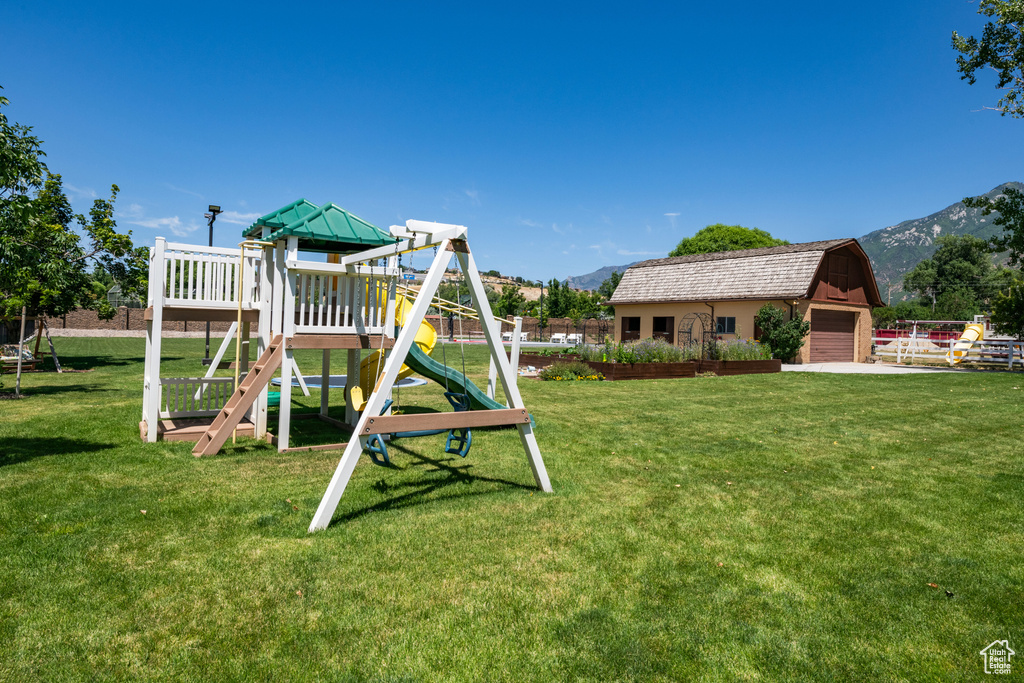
[744, 312]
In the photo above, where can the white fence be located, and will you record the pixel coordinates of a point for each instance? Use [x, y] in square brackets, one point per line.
[330, 301]
[194, 396]
[921, 348]
[196, 276]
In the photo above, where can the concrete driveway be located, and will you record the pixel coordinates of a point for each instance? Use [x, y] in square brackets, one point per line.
[867, 368]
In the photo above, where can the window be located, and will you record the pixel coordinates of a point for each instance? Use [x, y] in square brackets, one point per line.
[663, 327]
[726, 325]
[630, 328]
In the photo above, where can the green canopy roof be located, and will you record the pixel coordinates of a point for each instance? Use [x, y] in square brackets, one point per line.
[332, 229]
[295, 211]
[326, 228]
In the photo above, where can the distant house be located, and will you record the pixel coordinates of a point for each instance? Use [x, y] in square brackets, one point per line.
[829, 283]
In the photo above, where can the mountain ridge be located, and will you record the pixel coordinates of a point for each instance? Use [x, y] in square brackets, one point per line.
[896, 249]
[592, 281]
[893, 250]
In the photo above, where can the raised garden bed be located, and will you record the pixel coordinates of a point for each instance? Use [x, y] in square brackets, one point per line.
[539, 361]
[724, 368]
[615, 371]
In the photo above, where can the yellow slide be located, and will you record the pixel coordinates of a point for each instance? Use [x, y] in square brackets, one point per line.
[373, 365]
[972, 333]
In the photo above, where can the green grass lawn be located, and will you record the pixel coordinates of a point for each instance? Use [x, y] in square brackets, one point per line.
[766, 527]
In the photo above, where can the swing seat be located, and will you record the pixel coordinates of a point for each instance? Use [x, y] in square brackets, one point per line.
[377, 450]
[376, 447]
[459, 441]
[459, 401]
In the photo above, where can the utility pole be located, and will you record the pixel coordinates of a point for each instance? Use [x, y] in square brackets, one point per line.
[210, 218]
[540, 313]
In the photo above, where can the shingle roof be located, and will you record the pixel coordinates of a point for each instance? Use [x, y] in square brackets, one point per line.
[784, 272]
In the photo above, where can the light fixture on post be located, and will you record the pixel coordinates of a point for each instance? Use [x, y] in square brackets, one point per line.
[210, 218]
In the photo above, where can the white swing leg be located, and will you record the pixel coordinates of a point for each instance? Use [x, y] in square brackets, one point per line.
[505, 372]
[529, 441]
[375, 402]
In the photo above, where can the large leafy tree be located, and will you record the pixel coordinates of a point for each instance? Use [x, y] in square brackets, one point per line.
[1008, 311]
[1000, 48]
[44, 261]
[559, 299]
[1009, 205]
[607, 289]
[719, 237]
[886, 316]
[562, 301]
[959, 280]
[511, 301]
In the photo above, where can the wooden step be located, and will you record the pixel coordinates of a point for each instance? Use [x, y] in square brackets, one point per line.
[231, 414]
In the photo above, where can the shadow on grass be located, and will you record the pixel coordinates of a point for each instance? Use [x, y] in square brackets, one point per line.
[100, 361]
[457, 475]
[47, 390]
[600, 646]
[17, 449]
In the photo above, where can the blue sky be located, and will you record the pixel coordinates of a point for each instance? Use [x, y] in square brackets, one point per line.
[565, 136]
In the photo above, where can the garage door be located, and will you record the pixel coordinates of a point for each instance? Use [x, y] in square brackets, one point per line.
[832, 336]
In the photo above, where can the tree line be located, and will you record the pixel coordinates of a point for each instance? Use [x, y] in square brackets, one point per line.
[960, 280]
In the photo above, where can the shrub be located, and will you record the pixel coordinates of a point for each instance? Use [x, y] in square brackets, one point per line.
[573, 370]
[646, 351]
[783, 338]
[596, 354]
[643, 351]
[743, 349]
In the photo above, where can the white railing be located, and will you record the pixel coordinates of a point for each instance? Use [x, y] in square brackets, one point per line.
[194, 396]
[196, 276]
[912, 348]
[329, 302]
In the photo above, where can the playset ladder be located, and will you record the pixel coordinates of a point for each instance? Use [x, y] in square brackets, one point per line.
[243, 398]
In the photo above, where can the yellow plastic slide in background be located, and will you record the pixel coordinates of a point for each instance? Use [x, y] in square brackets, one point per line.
[373, 365]
[972, 333]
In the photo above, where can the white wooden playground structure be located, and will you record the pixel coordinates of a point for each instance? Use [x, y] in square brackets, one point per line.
[349, 303]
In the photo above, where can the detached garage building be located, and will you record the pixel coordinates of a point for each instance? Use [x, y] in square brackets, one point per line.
[829, 283]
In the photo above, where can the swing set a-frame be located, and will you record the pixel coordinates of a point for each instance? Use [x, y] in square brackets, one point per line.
[296, 304]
